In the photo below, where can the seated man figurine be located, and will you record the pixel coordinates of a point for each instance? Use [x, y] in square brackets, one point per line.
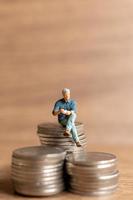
[65, 108]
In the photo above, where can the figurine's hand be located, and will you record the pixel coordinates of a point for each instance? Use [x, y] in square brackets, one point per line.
[63, 111]
[68, 112]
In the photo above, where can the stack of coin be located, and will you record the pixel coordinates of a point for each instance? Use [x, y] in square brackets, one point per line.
[38, 170]
[92, 173]
[51, 134]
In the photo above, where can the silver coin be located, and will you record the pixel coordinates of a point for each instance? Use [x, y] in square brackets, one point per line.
[61, 139]
[37, 173]
[96, 183]
[97, 169]
[37, 166]
[70, 141]
[38, 163]
[40, 185]
[45, 179]
[70, 148]
[41, 161]
[93, 186]
[31, 178]
[91, 158]
[94, 193]
[83, 136]
[85, 189]
[92, 173]
[40, 182]
[56, 129]
[36, 179]
[83, 141]
[37, 170]
[56, 125]
[34, 191]
[96, 177]
[50, 144]
[38, 152]
[75, 149]
[57, 134]
[58, 142]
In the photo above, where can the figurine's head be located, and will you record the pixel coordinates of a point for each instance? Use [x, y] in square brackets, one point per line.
[66, 93]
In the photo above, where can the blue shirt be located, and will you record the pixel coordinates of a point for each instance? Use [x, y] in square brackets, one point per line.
[66, 105]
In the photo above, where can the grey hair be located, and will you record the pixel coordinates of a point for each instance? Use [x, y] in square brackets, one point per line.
[65, 90]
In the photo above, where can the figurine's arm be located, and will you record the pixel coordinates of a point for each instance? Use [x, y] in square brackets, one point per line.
[55, 112]
[56, 109]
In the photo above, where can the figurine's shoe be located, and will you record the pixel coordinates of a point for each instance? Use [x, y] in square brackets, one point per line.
[78, 144]
[67, 133]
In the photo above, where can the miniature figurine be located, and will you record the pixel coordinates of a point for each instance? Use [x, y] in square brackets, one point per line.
[66, 110]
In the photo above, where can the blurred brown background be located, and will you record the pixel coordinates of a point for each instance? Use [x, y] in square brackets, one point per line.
[86, 46]
[83, 45]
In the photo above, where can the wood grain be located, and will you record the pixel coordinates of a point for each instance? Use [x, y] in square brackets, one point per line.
[84, 45]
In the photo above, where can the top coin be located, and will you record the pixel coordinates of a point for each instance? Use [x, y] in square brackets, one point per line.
[56, 125]
[91, 158]
[39, 152]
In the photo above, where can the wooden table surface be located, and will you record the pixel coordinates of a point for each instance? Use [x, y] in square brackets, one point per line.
[85, 45]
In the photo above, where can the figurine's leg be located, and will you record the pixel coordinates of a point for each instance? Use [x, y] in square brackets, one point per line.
[63, 122]
[70, 126]
[74, 133]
